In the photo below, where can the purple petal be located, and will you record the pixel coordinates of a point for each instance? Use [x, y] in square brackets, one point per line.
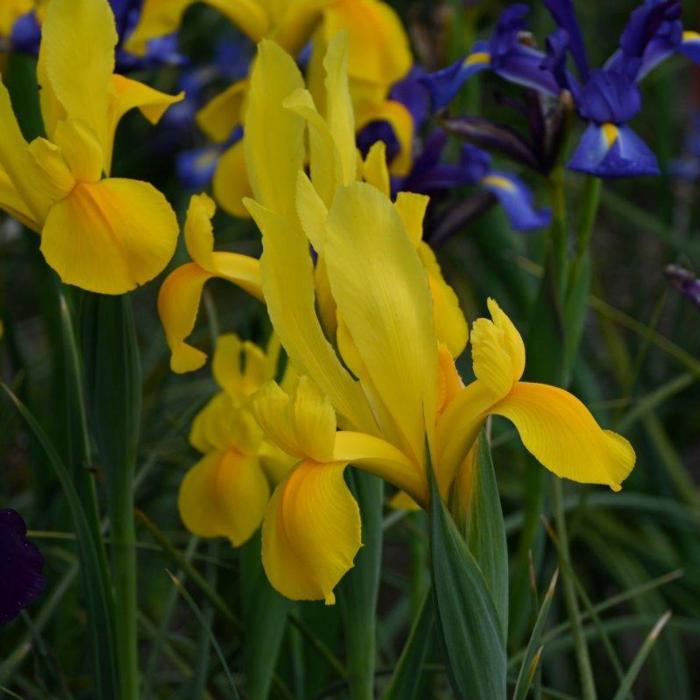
[564, 15]
[20, 567]
[517, 201]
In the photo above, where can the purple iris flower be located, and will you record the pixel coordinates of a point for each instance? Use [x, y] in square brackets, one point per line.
[506, 53]
[433, 175]
[20, 567]
[26, 35]
[607, 99]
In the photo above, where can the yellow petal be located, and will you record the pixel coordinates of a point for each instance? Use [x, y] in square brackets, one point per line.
[288, 284]
[381, 458]
[12, 203]
[110, 236]
[401, 122]
[411, 208]
[80, 149]
[382, 293]
[224, 495]
[54, 168]
[79, 37]
[178, 304]
[21, 169]
[563, 435]
[275, 462]
[498, 352]
[312, 212]
[339, 111]
[311, 532]
[294, 22]
[231, 184]
[302, 424]
[161, 17]
[127, 94]
[375, 170]
[379, 51]
[325, 162]
[274, 137]
[220, 116]
[240, 368]
[52, 111]
[199, 232]
[450, 324]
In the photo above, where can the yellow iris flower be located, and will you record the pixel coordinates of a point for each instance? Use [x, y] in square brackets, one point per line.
[103, 234]
[379, 56]
[226, 493]
[180, 295]
[389, 381]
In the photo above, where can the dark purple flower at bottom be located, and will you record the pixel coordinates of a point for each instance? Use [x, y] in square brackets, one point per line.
[20, 567]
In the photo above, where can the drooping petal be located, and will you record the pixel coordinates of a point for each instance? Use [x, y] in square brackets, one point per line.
[612, 151]
[161, 17]
[311, 532]
[447, 82]
[220, 116]
[79, 37]
[379, 457]
[12, 203]
[690, 46]
[563, 435]
[224, 495]
[517, 201]
[111, 236]
[387, 308]
[241, 368]
[178, 305]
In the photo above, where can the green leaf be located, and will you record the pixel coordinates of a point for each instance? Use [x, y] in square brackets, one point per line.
[405, 683]
[113, 378]
[265, 617]
[357, 592]
[468, 622]
[640, 658]
[99, 601]
[575, 308]
[532, 651]
[485, 532]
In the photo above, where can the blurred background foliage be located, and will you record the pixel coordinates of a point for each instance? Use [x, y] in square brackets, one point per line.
[635, 554]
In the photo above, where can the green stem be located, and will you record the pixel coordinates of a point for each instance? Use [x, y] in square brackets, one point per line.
[582, 657]
[589, 212]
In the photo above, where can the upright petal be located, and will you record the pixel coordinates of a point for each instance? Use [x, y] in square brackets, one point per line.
[311, 532]
[111, 236]
[382, 293]
[274, 140]
[563, 435]
[79, 37]
[224, 495]
[288, 285]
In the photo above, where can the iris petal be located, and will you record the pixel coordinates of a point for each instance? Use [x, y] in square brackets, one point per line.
[517, 201]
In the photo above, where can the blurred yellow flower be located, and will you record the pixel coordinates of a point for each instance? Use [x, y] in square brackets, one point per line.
[103, 234]
[225, 494]
[379, 56]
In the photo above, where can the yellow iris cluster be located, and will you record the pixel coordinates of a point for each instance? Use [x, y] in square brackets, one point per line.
[359, 304]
